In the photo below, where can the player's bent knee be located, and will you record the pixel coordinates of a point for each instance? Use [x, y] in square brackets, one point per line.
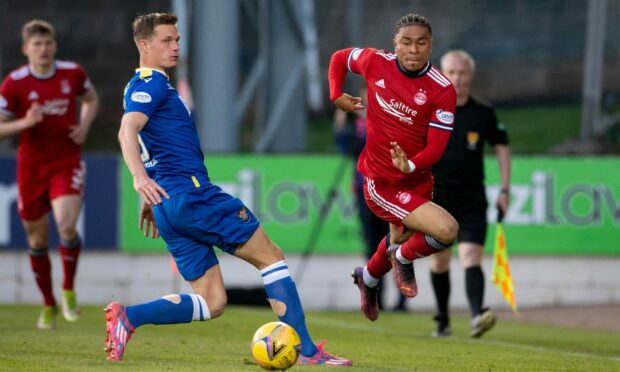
[37, 242]
[448, 232]
[66, 231]
[216, 304]
[216, 308]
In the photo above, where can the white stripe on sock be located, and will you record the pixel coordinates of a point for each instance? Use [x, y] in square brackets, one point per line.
[402, 259]
[370, 280]
[200, 305]
[196, 314]
[275, 276]
[273, 266]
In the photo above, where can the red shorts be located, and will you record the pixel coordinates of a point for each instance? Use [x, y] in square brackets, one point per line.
[38, 185]
[392, 203]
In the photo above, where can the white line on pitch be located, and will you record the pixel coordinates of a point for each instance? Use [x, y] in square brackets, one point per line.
[382, 330]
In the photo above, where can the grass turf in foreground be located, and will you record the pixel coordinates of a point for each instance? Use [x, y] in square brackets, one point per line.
[396, 342]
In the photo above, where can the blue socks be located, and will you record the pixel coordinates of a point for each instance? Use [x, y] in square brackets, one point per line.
[280, 287]
[171, 309]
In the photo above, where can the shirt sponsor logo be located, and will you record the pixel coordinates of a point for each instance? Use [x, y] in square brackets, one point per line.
[3, 102]
[445, 117]
[57, 107]
[141, 97]
[380, 83]
[420, 98]
[396, 108]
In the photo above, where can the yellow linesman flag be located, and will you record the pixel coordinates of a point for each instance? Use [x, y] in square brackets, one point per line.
[501, 268]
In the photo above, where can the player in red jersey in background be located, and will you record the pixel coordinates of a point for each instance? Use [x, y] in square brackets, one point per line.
[410, 115]
[39, 101]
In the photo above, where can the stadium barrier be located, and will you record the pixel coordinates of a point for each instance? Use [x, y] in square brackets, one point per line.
[560, 206]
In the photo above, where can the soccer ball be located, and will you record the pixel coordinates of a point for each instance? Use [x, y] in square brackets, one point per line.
[276, 345]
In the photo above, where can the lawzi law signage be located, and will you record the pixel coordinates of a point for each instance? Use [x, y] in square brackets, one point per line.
[558, 206]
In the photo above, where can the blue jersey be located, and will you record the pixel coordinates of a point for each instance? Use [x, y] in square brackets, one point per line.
[169, 144]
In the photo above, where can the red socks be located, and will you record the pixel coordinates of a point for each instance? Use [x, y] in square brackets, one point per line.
[42, 269]
[379, 264]
[69, 252]
[418, 246]
[421, 245]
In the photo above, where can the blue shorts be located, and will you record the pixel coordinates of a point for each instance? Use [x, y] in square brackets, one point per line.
[191, 223]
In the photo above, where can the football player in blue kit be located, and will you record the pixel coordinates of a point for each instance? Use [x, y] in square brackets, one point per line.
[160, 146]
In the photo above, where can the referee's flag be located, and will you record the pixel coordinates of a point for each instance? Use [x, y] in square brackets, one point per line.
[501, 268]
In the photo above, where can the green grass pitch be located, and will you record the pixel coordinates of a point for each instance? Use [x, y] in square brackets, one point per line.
[396, 342]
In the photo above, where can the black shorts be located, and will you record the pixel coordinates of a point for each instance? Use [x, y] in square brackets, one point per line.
[469, 207]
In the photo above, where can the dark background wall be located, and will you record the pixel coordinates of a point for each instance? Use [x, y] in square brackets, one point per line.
[95, 34]
[527, 51]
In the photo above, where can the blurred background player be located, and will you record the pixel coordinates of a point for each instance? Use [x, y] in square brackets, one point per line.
[350, 132]
[161, 148]
[459, 188]
[39, 101]
[409, 120]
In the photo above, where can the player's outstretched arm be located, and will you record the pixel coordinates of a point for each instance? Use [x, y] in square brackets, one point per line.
[88, 112]
[8, 128]
[348, 103]
[336, 74]
[131, 124]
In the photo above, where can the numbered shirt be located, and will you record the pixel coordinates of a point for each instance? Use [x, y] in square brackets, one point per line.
[57, 93]
[170, 149]
[402, 107]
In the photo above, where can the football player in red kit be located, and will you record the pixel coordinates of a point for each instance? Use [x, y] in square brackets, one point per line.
[409, 120]
[38, 101]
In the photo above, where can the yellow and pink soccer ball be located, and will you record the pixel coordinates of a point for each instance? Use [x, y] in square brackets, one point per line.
[276, 346]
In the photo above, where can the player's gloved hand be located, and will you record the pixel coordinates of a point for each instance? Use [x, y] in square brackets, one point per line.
[150, 191]
[34, 115]
[400, 160]
[147, 221]
[347, 103]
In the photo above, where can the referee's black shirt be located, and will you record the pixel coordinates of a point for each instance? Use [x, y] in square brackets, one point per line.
[462, 161]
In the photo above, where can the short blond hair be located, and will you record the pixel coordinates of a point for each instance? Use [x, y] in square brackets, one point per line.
[459, 54]
[37, 27]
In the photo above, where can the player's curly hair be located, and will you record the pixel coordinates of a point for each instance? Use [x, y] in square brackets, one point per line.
[144, 25]
[412, 19]
[37, 27]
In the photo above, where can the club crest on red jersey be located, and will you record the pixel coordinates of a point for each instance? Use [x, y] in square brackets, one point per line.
[420, 98]
[65, 88]
[403, 197]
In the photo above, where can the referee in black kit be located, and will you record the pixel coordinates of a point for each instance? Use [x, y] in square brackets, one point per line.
[459, 188]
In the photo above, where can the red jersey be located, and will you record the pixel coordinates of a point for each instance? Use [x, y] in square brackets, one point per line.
[48, 140]
[415, 110]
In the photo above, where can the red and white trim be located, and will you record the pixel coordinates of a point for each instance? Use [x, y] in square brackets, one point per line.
[391, 208]
[434, 74]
